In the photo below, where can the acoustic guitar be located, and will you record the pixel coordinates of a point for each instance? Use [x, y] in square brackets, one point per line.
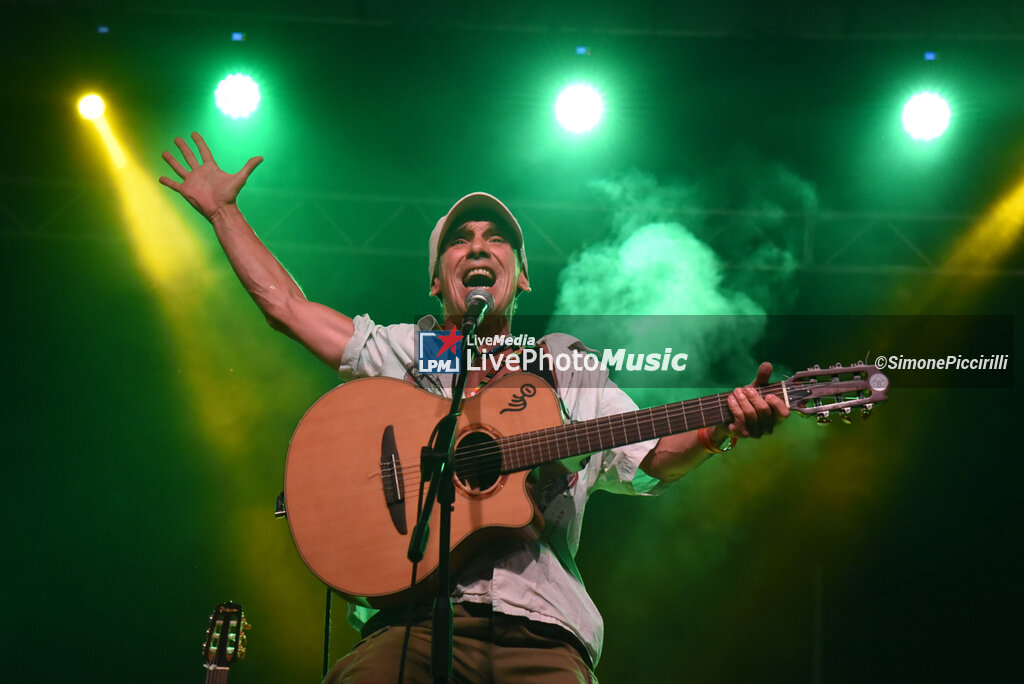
[353, 470]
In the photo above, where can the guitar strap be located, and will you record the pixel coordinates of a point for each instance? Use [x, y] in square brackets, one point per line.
[507, 352]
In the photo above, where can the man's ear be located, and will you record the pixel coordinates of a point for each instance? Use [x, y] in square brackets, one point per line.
[523, 283]
[435, 286]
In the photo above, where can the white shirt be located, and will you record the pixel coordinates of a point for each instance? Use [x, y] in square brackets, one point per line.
[534, 580]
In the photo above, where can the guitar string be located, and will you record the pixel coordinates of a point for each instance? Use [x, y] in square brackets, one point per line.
[602, 426]
[485, 454]
[475, 460]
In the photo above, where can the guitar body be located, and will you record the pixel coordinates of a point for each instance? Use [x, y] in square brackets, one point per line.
[352, 477]
[337, 487]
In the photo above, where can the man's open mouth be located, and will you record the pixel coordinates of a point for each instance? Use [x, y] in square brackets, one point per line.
[478, 277]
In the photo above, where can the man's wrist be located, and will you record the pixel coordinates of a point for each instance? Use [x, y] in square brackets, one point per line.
[223, 213]
[716, 440]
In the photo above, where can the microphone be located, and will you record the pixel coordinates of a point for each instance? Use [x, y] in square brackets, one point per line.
[478, 303]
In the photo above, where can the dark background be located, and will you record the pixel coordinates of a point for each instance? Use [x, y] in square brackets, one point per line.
[147, 418]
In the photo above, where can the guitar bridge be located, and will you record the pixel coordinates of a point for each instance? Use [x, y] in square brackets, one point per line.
[391, 477]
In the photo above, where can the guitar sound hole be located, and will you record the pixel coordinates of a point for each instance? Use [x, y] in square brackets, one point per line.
[477, 462]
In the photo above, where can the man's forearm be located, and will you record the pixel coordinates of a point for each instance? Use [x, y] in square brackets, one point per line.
[262, 275]
[675, 455]
[320, 329]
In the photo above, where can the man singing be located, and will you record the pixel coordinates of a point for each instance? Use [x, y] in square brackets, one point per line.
[522, 613]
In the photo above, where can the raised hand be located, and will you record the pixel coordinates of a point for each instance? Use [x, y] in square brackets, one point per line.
[206, 187]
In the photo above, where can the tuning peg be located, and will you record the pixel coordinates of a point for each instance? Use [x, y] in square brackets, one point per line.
[865, 412]
[844, 415]
[243, 637]
[823, 418]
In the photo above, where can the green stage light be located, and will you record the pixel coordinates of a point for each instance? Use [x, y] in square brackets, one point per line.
[579, 108]
[91, 106]
[237, 96]
[926, 116]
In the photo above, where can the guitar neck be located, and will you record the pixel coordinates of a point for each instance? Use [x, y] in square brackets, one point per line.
[216, 674]
[530, 449]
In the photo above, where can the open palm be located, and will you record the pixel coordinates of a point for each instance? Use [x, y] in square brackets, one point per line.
[204, 184]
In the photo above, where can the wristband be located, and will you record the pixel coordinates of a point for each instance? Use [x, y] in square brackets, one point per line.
[704, 437]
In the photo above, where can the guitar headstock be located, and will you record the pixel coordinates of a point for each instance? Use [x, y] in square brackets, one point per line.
[225, 637]
[837, 389]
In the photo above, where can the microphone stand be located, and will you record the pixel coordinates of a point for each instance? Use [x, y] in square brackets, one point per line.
[437, 458]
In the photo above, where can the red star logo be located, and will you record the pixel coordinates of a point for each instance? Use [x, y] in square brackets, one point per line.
[450, 340]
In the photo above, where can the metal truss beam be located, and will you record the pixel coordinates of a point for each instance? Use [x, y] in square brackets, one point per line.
[381, 225]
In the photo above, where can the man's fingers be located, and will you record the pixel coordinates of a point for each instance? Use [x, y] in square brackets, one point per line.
[765, 419]
[756, 414]
[173, 185]
[204, 151]
[186, 152]
[764, 373]
[249, 166]
[748, 414]
[759, 415]
[736, 426]
[174, 164]
[780, 406]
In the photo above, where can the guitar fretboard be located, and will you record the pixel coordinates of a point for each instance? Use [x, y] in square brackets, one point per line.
[216, 674]
[530, 449]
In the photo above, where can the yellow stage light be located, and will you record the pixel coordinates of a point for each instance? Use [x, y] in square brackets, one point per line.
[192, 287]
[989, 241]
[91, 106]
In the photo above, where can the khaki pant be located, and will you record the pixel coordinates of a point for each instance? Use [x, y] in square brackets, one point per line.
[487, 648]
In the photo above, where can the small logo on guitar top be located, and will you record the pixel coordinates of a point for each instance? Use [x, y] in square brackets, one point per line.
[518, 402]
[439, 352]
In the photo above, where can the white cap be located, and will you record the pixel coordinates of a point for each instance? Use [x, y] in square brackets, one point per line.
[475, 202]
